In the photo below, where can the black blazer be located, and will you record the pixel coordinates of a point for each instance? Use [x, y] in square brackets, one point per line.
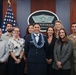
[33, 54]
[51, 48]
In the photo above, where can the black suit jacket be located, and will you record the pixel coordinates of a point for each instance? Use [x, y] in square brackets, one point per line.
[50, 54]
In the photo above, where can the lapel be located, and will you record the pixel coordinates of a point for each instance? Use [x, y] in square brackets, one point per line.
[64, 46]
[39, 41]
[34, 37]
[63, 49]
[59, 48]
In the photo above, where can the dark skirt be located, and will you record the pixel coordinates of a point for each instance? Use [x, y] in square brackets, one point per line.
[2, 68]
[15, 69]
[36, 68]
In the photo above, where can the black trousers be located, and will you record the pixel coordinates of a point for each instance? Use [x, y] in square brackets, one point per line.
[62, 72]
[49, 69]
[15, 69]
[2, 69]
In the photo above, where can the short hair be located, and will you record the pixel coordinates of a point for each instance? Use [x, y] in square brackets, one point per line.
[9, 23]
[74, 23]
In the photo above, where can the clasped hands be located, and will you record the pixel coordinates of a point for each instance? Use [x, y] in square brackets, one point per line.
[59, 64]
[49, 61]
[17, 61]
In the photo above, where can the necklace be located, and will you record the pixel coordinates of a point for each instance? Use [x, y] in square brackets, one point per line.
[34, 42]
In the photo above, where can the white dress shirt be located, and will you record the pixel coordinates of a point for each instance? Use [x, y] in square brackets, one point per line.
[36, 37]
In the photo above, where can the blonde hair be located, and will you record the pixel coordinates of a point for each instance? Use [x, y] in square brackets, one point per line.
[57, 21]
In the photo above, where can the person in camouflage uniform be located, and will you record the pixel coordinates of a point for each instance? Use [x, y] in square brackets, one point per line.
[72, 37]
[74, 55]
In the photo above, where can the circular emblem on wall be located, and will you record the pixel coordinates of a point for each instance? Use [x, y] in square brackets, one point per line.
[44, 17]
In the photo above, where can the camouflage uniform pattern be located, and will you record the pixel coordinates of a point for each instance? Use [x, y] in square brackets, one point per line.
[73, 39]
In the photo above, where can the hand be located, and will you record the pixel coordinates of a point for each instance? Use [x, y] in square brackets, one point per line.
[17, 61]
[0, 61]
[24, 58]
[49, 61]
[59, 64]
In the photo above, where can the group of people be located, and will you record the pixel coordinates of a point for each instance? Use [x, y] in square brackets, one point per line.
[37, 54]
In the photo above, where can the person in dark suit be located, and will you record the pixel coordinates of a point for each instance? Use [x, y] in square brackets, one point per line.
[51, 42]
[29, 30]
[62, 54]
[35, 52]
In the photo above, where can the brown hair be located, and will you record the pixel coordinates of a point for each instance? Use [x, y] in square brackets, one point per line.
[65, 38]
[9, 23]
[73, 23]
[47, 30]
[27, 32]
[36, 24]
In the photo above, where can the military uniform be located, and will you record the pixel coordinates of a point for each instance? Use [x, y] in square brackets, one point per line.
[36, 54]
[73, 39]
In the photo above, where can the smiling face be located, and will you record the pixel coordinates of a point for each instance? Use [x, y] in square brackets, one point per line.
[16, 32]
[62, 34]
[58, 26]
[50, 31]
[36, 28]
[73, 28]
[30, 29]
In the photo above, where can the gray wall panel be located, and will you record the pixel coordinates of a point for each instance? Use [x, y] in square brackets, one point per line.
[63, 12]
[23, 11]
